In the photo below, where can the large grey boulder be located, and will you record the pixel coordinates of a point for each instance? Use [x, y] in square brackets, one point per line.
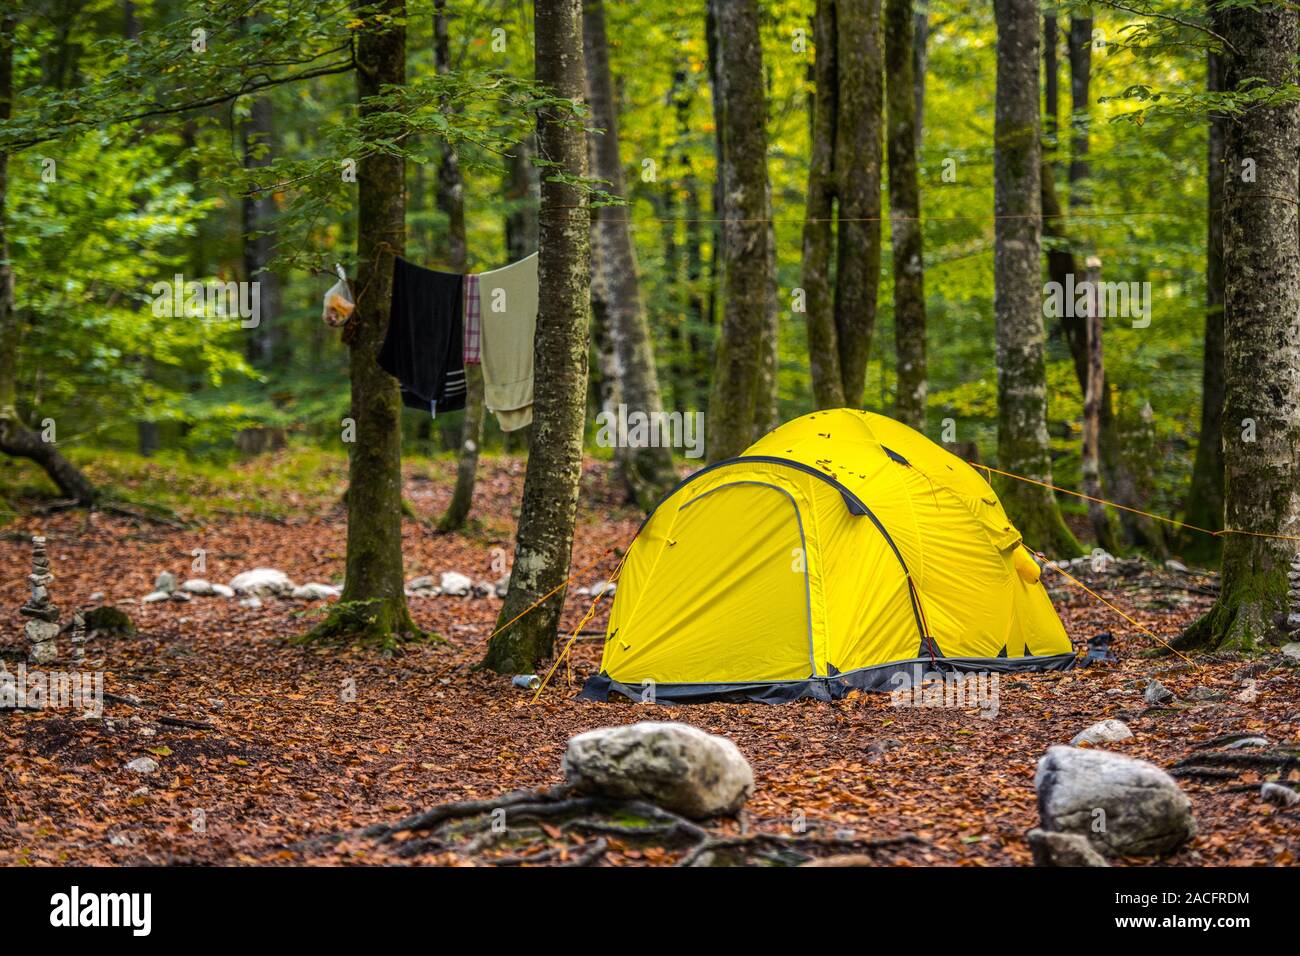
[1126, 807]
[675, 766]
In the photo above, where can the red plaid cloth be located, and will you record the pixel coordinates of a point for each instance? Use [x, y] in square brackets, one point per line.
[473, 323]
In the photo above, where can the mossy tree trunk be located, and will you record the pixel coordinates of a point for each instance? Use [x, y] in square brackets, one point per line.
[373, 605]
[1205, 497]
[905, 217]
[451, 200]
[647, 473]
[546, 518]
[740, 104]
[1261, 264]
[1023, 446]
[15, 437]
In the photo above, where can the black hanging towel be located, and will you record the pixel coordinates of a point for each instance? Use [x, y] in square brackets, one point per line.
[424, 347]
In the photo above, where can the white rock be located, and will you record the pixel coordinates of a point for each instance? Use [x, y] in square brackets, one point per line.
[143, 765]
[156, 596]
[1247, 742]
[119, 839]
[262, 582]
[423, 582]
[1109, 731]
[1178, 566]
[165, 582]
[180, 596]
[1279, 795]
[315, 592]
[455, 583]
[676, 766]
[139, 792]
[45, 652]
[603, 587]
[1063, 849]
[220, 590]
[253, 601]
[1292, 651]
[1124, 806]
[97, 596]
[198, 586]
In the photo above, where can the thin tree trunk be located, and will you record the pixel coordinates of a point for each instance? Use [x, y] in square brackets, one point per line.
[1080, 52]
[818, 238]
[1023, 446]
[264, 346]
[1261, 263]
[857, 170]
[1096, 381]
[373, 606]
[546, 519]
[920, 64]
[451, 200]
[905, 218]
[739, 100]
[15, 437]
[1205, 498]
[647, 473]
[1051, 83]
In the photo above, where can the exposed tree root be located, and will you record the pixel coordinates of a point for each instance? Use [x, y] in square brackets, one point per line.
[537, 826]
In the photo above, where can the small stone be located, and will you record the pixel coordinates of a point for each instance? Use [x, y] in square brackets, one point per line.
[1156, 693]
[119, 839]
[253, 602]
[40, 632]
[262, 582]
[139, 792]
[1178, 566]
[1109, 731]
[1063, 849]
[1205, 693]
[143, 765]
[1292, 621]
[1247, 742]
[97, 596]
[220, 590]
[156, 596]
[883, 746]
[423, 582]
[314, 592]
[1291, 651]
[147, 732]
[46, 652]
[502, 585]
[197, 586]
[606, 588]
[1279, 795]
[165, 582]
[180, 596]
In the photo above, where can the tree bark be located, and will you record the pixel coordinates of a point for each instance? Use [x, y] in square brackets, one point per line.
[1051, 83]
[16, 438]
[373, 606]
[857, 170]
[647, 473]
[1096, 381]
[1205, 497]
[1023, 445]
[451, 200]
[1080, 52]
[1261, 263]
[264, 345]
[742, 174]
[920, 64]
[818, 239]
[905, 218]
[546, 519]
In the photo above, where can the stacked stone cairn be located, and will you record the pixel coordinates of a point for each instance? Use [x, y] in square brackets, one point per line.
[43, 628]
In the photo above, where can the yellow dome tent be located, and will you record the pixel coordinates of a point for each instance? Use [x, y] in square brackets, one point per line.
[842, 550]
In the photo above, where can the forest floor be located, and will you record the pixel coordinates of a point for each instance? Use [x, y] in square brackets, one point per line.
[287, 755]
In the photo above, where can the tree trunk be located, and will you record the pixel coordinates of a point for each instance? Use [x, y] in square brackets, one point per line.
[1205, 498]
[857, 170]
[920, 64]
[742, 174]
[1080, 51]
[1096, 381]
[1051, 83]
[546, 519]
[15, 437]
[451, 200]
[1261, 263]
[264, 346]
[1023, 446]
[373, 606]
[647, 473]
[905, 218]
[818, 240]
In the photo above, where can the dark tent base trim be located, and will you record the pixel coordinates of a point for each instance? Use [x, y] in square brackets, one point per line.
[896, 675]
